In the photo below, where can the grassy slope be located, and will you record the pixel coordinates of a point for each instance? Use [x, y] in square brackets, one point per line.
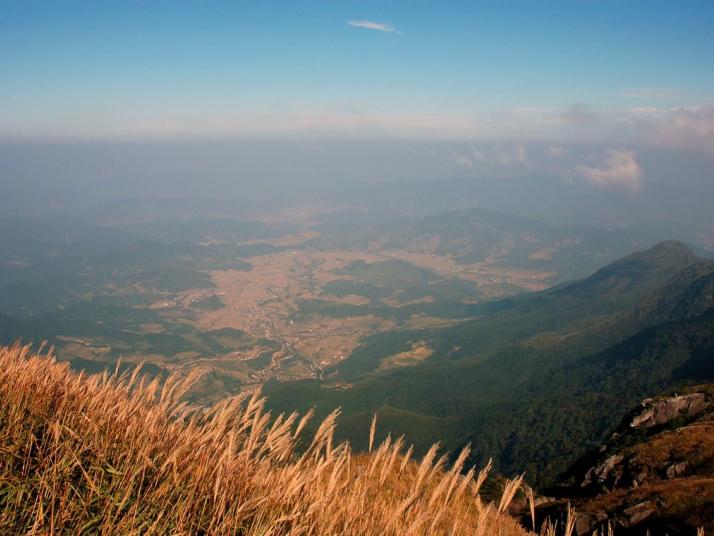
[109, 455]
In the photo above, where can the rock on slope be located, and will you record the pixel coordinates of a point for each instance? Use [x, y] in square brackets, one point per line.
[655, 473]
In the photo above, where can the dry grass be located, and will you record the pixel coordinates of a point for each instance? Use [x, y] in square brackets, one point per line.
[120, 455]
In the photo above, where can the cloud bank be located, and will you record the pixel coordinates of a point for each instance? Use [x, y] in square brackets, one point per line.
[690, 128]
[616, 167]
[611, 168]
[686, 129]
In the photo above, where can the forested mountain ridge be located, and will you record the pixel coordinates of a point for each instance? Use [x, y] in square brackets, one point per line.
[535, 380]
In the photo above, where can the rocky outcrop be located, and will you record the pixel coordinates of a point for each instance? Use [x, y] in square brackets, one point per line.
[654, 412]
[662, 451]
[620, 464]
[631, 471]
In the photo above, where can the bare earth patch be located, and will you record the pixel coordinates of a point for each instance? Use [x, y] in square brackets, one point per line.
[418, 353]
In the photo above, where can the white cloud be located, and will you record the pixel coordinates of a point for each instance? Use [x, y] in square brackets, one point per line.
[510, 154]
[614, 168]
[371, 25]
[556, 151]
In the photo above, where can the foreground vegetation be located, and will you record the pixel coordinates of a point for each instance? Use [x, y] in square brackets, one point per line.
[117, 454]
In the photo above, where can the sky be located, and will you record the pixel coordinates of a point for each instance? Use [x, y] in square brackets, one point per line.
[614, 95]
[137, 69]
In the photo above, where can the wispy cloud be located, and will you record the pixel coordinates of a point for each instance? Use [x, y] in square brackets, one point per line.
[578, 114]
[372, 25]
[650, 93]
[501, 154]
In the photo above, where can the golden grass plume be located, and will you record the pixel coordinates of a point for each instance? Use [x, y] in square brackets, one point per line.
[120, 454]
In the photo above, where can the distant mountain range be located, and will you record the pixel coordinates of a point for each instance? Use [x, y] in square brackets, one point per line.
[477, 235]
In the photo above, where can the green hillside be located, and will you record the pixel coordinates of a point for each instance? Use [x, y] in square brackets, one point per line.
[535, 380]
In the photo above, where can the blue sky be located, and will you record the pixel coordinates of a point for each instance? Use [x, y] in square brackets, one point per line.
[545, 70]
